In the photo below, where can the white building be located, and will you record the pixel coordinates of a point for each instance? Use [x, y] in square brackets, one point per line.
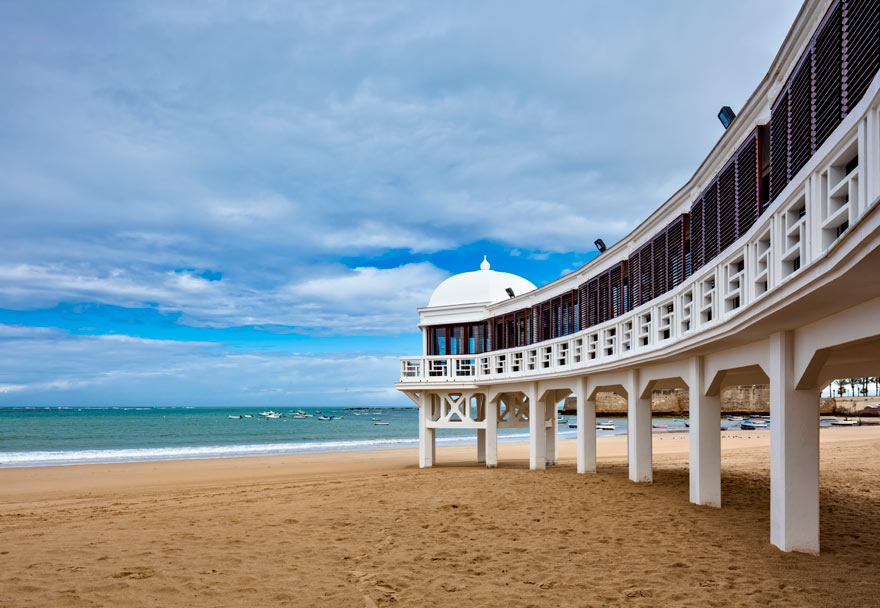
[763, 268]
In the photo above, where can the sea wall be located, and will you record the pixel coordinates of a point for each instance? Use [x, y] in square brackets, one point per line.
[745, 399]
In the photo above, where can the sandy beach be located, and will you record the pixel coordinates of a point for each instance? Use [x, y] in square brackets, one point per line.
[369, 528]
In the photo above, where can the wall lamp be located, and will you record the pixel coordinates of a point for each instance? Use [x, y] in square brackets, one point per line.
[510, 292]
[726, 116]
[600, 245]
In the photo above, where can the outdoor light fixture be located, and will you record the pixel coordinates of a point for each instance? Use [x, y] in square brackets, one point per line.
[510, 292]
[600, 245]
[726, 116]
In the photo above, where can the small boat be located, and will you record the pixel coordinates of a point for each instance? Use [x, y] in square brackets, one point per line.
[234, 417]
[603, 426]
[660, 426]
[299, 416]
[562, 420]
[753, 425]
[679, 419]
[325, 417]
[273, 415]
[846, 422]
[753, 416]
[572, 426]
[735, 418]
[765, 417]
[375, 419]
[380, 424]
[248, 416]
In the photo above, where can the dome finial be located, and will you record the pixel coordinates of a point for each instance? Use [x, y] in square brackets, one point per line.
[485, 264]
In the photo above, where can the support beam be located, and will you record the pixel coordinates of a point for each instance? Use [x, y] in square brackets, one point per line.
[586, 429]
[552, 430]
[427, 443]
[491, 434]
[638, 434]
[481, 446]
[537, 432]
[705, 439]
[794, 453]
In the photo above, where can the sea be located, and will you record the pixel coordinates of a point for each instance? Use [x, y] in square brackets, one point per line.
[42, 436]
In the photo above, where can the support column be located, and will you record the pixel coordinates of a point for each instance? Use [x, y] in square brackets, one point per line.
[638, 434]
[705, 439]
[586, 429]
[492, 434]
[552, 430]
[794, 453]
[427, 447]
[481, 446]
[537, 431]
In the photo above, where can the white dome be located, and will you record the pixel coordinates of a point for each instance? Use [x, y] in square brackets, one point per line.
[483, 285]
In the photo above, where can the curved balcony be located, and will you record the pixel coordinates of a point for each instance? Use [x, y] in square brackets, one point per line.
[818, 221]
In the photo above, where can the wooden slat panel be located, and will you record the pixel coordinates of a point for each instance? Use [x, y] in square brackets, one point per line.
[827, 85]
[800, 117]
[779, 147]
[748, 185]
[861, 36]
[727, 225]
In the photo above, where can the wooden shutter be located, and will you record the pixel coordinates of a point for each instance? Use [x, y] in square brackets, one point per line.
[748, 184]
[827, 72]
[727, 225]
[861, 48]
[779, 147]
[800, 113]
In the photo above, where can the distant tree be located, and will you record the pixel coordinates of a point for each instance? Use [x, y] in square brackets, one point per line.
[841, 383]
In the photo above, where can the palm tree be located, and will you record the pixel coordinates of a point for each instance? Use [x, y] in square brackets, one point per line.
[841, 385]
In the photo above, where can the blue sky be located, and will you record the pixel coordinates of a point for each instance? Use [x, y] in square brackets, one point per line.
[221, 203]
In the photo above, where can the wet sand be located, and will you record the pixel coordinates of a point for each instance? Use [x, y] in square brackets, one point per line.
[369, 528]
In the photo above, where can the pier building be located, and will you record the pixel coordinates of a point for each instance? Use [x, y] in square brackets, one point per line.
[764, 268]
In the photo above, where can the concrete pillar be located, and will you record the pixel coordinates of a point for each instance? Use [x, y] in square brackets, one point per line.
[427, 443]
[586, 429]
[481, 446]
[638, 434]
[552, 429]
[794, 453]
[705, 439]
[492, 434]
[537, 430]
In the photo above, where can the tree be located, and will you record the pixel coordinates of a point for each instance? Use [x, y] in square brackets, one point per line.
[841, 383]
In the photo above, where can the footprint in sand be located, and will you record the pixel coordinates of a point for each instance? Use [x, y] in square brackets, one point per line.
[136, 573]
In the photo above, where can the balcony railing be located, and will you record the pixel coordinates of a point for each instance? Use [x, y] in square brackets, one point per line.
[814, 210]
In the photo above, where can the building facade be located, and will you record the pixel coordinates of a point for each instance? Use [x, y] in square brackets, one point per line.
[763, 268]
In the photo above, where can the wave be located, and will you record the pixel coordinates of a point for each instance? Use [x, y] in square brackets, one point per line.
[69, 457]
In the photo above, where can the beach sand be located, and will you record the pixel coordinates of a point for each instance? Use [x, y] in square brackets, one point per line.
[369, 528]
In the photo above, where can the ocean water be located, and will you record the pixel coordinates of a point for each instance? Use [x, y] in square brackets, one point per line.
[63, 436]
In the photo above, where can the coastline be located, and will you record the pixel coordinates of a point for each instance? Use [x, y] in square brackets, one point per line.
[33, 482]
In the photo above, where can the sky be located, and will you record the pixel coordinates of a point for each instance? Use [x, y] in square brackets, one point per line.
[244, 203]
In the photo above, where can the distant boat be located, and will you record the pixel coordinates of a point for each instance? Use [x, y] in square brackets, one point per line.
[753, 425]
[845, 422]
[234, 417]
[605, 426]
[572, 426]
[380, 424]
[660, 426]
[248, 416]
[300, 416]
[735, 418]
[375, 419]
[562, 420]
[325, 418]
